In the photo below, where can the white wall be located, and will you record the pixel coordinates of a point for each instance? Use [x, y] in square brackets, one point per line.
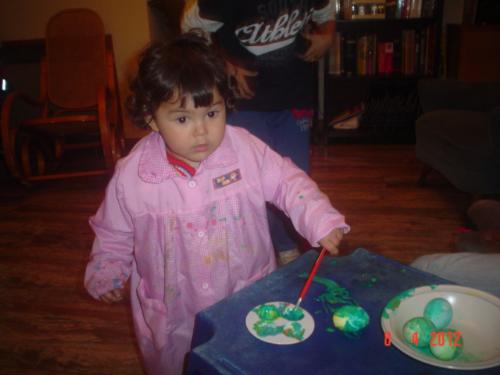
[125, 20]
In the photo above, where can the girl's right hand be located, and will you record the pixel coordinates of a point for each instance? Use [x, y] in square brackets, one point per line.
[114, 295]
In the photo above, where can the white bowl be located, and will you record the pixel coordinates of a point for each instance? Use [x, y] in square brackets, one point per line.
[476, 316]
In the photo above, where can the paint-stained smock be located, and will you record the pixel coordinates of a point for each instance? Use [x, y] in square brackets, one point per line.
[187, 243]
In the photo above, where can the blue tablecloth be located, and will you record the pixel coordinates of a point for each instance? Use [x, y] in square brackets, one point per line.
[222, 344]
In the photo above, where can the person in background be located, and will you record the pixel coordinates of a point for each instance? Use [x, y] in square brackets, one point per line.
[476, 263]
[269, 47]
[184, 215]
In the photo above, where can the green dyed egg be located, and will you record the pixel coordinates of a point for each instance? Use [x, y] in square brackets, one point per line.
[266, 328]
[418, 331]
[291, 312]
[350, 318]
[295, 330]
[439, 312]
[447, 345]
[267, 312]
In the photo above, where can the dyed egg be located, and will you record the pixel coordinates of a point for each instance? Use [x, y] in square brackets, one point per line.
[266, 328]
[439, 312]
[447, 345]
[267, 312]
[418, 331]
[291, 312]
[295, 330]
[350, 318]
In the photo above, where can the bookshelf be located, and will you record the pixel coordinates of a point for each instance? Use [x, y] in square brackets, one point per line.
[372, 69]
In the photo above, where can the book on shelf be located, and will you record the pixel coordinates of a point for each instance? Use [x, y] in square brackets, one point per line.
[423, 51]
[417, 69]
[385, 56]
[349, 57]
[431, 51]
[396, 55]
[410, 52]
[361, 54]
[381, 58]
[335, 55]
[371, 57]
[366, 55]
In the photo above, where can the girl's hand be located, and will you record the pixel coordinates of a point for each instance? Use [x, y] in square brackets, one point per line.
[112, 296]
[332, 240]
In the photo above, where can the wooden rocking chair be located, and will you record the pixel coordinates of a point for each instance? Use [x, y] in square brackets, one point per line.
[78, 107]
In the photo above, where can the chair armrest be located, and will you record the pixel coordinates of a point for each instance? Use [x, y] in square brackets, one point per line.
[452, 94]
[15, 108]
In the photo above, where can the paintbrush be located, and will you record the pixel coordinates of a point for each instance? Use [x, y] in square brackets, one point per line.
[310, 278]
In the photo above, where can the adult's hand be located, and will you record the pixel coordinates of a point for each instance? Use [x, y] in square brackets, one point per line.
[239, 77]
[320, 39]
[319, 43]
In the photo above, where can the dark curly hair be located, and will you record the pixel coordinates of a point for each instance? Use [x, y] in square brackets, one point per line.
[187, 64]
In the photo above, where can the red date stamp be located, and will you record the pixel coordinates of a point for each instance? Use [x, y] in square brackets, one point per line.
[449, 338]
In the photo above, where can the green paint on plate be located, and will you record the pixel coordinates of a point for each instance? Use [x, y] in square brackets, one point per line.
[394, 303]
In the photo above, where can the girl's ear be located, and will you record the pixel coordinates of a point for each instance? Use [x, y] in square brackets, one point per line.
[151, 123]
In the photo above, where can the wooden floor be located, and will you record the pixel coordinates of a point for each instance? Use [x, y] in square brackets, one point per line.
[49, 325]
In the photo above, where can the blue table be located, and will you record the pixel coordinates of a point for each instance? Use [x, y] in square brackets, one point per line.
[222, 344]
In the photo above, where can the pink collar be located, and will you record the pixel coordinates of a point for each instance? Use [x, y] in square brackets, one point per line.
[155, 168]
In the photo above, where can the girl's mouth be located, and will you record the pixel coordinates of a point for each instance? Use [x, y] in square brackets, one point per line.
[201, 148]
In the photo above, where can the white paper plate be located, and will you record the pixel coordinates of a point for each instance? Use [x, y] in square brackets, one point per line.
[307, 323]
[476, 315]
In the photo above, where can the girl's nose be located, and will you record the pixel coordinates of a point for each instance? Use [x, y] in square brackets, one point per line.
[200, 128]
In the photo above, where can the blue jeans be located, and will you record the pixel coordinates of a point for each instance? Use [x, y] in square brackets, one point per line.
[288, 134]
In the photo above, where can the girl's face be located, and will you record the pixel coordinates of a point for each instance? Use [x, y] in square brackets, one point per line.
[191, 134]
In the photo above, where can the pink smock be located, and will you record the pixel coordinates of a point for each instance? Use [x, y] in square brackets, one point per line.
[187, 243]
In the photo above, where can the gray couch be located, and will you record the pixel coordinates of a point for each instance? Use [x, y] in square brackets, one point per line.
[458, 133]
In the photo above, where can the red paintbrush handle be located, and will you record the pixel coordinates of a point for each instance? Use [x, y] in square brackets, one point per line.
[310, 278]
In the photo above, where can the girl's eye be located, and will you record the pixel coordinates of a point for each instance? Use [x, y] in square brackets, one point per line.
[181, 120]
[212, 114]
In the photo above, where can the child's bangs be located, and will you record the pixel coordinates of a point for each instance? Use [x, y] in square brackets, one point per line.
[200, 87]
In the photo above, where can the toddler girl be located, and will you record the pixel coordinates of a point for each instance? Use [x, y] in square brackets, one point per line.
[184, 214]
